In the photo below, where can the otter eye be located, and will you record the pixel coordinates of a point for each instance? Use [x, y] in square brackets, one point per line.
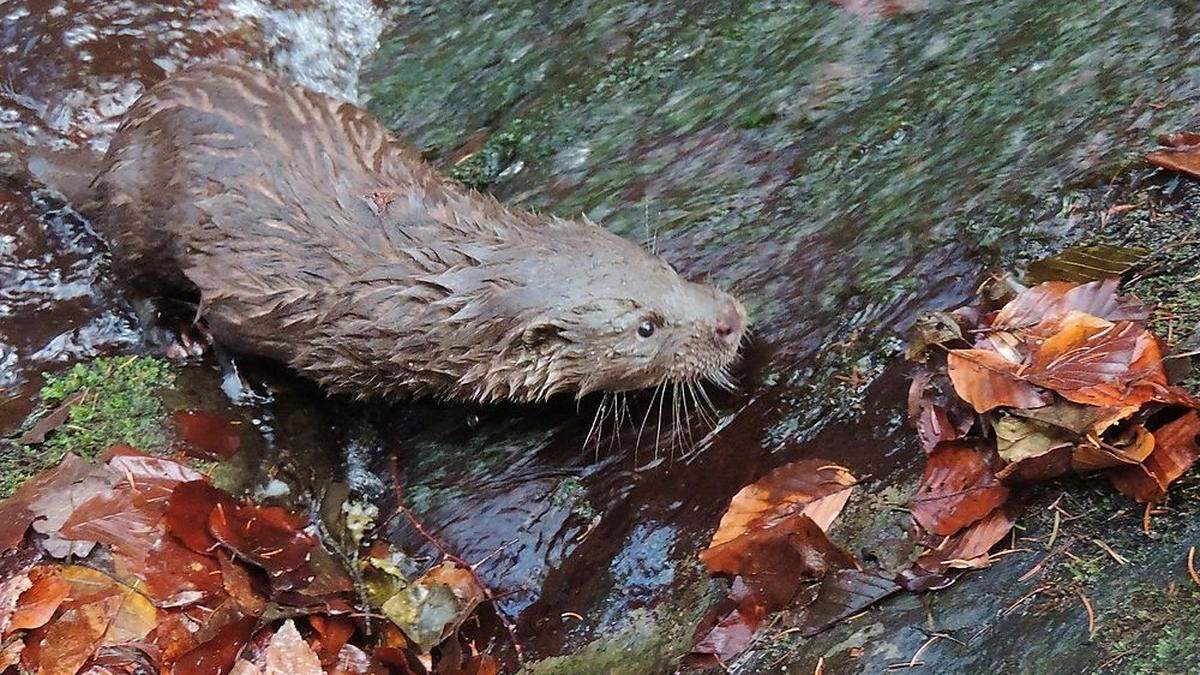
[646, 329]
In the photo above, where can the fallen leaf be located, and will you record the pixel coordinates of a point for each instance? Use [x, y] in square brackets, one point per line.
[1019, 439]
[333, 633]
[206, 435]
[987, 380]
[957, 489]
[16, 514]
[1086, 263]
[969, 548]
[267, 536]
[1130, 447]
[351, 661]
[1175, 450]
[731, 626]
[76, 635]
[1077, 418]
[12, 588]
[1093, 361]
[240, 586]
[934, 427]
[218, 654]
[188, 510]
[1182, 153]
[800, 485]
[39, 602]
[433, 607]
[288, 654]
[843, 593]
[51, 421]
[777, 556]
[930, 329]
[1039, 310]
[132, 617]
[176, 576]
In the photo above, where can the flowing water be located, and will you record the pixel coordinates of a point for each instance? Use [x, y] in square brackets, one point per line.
[839, 167]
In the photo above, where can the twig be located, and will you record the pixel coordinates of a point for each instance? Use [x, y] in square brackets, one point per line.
[1091, 613]
[401, 509]
[1191, 563]
[1122, 560]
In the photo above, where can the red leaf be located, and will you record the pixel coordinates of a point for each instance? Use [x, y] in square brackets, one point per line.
[1175, 450]
[1038, 310]
[176, 576]
[333, 633]
[217, 655]
[733, 625]
[267, 536]
[188, 510]
[73, 638]
[1098, 363]
[968, 549]
[41, 600]
[207, 435]
[958, 488]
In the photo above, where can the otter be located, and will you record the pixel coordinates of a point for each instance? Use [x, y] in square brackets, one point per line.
[308, 233]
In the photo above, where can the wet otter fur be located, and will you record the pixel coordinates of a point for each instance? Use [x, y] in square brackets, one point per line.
[311, 235]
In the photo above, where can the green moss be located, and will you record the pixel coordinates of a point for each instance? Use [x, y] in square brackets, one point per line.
[118, 404]
[1158, 634]
[511, 147]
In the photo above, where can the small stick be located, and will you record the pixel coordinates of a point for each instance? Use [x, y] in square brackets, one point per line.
[1091, 613]
[1109, 550]
[394, 467]
[1191, 564]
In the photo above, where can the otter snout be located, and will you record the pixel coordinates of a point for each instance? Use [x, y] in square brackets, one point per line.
[730, 322]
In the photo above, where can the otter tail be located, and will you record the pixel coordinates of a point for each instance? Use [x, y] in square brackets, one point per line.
[68, 172]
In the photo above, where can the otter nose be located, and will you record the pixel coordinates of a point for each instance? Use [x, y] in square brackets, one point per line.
[729, 322]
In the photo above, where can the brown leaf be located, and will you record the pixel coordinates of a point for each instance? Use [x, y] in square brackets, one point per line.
[240, 586]
[133, 617]
[1175, 450]
[118, 519]
[41, 600]
[987, 380]
[934, 427]
[969, 548]
[76, 635]
[776, 556]
[433, 608]
[1131, 446]
[796, 486]
[1019, 439]
[1039, 310]
[1182, 153]
[1096, 362]
[206, 435]
[17, 512]
[51, 421]
[731, 626]
[843, 593]
[957, 489]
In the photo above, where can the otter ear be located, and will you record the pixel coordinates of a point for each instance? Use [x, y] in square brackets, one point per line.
[541, 334]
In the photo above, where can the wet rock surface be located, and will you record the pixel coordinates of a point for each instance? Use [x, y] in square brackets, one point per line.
[841, 173]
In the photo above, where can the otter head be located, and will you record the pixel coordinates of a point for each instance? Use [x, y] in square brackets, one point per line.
[616, 318]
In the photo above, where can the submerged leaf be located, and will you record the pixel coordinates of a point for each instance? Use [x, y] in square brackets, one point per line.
[207, 435]
[40, 601]
[730, 628]
[431, 609]
[843, 593]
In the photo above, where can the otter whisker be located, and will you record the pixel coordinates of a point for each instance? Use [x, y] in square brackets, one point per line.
[597, 420]
[649, 408]
[658, 425]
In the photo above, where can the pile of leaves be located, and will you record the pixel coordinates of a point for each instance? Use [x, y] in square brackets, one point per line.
[139, 564]
[1026, 385]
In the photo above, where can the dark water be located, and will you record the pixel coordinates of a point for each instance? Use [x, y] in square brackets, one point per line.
[840, 172]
